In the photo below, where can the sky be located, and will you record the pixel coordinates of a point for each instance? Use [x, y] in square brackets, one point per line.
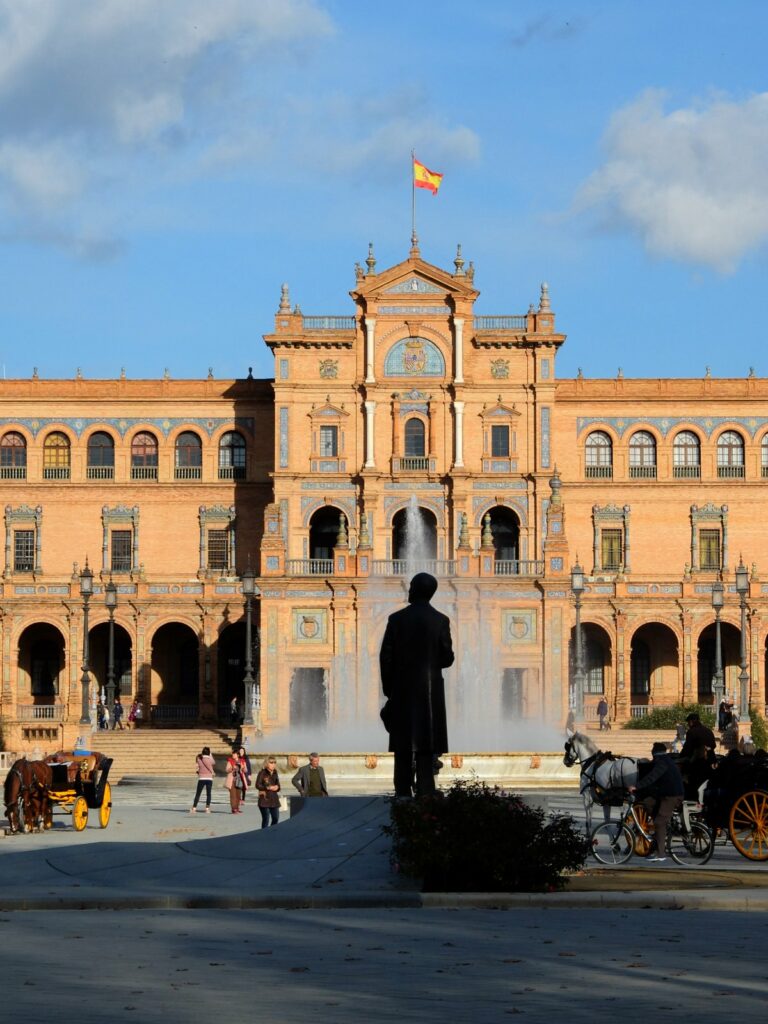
[165, 165]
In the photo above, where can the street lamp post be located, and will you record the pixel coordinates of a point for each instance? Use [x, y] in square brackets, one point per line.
[577, 586]
[742, 589]
[86, 589]
[252, 695]
[718, 597]
[110, 600]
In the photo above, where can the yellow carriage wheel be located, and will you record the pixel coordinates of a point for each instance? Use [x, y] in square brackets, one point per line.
[748, 825]
[642, 845]
[80, 814]
[105, 811]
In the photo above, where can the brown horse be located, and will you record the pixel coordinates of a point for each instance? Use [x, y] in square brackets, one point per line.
[27, 804]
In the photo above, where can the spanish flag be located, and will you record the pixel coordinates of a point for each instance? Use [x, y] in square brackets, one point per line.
[424, 178]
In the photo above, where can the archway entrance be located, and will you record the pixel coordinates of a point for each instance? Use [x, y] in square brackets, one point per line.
[41, 661]
[654, 671]
[706, 662]
[324, 531]
[596, 652]
[414, 535]
[309, 698]
[98, 658]
[175, 675]
[505, 532]
[230, 663]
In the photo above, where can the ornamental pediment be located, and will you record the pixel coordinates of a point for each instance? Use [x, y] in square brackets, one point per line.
[413, 286]
[328, 411]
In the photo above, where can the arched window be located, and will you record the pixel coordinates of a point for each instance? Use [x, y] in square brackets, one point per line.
[686, 455]
[189, 456]
[232, 456]
[764, 456]
[56, 457]
[730, 454]
[642, 454]
[101, 456]
[414, 438]
[13, 456]
[599, 455]
[144, 456]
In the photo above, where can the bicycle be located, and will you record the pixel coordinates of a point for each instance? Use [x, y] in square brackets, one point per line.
[689, 842]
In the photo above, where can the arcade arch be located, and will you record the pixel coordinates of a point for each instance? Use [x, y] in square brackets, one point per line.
[41, 659]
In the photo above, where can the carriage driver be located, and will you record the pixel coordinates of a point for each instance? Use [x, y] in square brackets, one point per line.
[660, 786]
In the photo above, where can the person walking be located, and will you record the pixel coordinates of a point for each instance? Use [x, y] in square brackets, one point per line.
[245, 771]
[662, 788]
[234, 782]
[310, 778]
[602, 713]
[100, 715]
[206, 769]
[268, 787]
[117, 714]
[132, 715]
[416, 647]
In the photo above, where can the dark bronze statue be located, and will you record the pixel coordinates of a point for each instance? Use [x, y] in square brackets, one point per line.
[415, 649]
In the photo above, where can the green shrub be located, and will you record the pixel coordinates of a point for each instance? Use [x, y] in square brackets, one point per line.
[474, 838]
[668, 718]
[759, 729]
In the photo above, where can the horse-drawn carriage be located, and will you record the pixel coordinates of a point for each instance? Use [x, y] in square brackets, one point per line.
[734, 804]
[75, 781]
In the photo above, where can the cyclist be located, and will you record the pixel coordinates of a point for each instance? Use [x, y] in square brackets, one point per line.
[660, 785]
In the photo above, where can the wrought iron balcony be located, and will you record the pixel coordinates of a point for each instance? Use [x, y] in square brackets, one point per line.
[100, 472]
[686, 472]
[642, 472]
[730, 472]
[13, 472]
[598, 472]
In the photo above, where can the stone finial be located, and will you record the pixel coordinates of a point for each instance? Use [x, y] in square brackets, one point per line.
[471, 272]
[463, 531]
[122, 373]
[285, 300]
[531, 308]
[555, 485]
[544, 298]
[297, 310]
[459, 262]
[79, 374]
[687, 571]
[364, 540]
[414, 245]
[359, 273]
[342, 539]
[250, 373]
[487, 536]
[371, 260]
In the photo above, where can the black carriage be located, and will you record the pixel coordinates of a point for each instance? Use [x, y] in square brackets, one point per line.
[735, 802]
[79, 784]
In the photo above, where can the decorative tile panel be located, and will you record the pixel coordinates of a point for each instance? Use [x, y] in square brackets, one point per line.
[414, 357]
[665, 424]
[546, 413]
[284, 437]
[518, 626]
[309, 625]
[125, 424]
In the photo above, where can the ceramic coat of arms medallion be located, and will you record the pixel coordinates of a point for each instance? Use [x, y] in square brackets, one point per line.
[414, 356]
[309, 625]
[519, 627]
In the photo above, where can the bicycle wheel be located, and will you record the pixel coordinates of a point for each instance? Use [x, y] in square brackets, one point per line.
[612, 843]
[694, 847]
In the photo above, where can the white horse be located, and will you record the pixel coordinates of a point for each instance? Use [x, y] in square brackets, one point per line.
[602, 774]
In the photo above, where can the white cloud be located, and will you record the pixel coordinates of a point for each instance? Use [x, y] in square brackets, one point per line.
[691, 182]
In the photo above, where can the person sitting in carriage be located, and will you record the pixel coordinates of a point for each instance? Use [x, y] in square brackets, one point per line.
[661, 789]
[697, 756]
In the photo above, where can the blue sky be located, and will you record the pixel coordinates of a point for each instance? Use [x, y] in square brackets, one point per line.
[166, 164]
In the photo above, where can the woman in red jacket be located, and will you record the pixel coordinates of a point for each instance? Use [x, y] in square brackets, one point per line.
[235, 783]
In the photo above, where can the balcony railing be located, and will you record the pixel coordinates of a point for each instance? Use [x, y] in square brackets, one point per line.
[730, 472]
[100, 472]
[598, 472]
[188, 472]
[231, 472]
[501, 323]
[406, 567]
[765, 471]
[329, 323]
[309, 567]
[56, 473]
[508, 567]
[174, 712]
[143, 472]
[13, 472]
[414, 463]
[40, 712]
[641, 710]
[642, 472]
[686, 472]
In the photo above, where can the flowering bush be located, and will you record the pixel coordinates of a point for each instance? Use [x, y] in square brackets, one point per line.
[474, 838]
[668, 718]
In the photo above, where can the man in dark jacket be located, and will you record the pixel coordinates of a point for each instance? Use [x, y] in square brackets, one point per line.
[661, 781]
[699, 740]
[416, 646]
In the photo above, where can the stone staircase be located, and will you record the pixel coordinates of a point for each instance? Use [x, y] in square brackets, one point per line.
[161, 752]
[630, 742]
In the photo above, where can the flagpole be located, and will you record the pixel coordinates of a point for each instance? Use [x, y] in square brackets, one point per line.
[413, 200]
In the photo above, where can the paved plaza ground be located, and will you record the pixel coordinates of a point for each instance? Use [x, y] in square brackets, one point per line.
[177, 917]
